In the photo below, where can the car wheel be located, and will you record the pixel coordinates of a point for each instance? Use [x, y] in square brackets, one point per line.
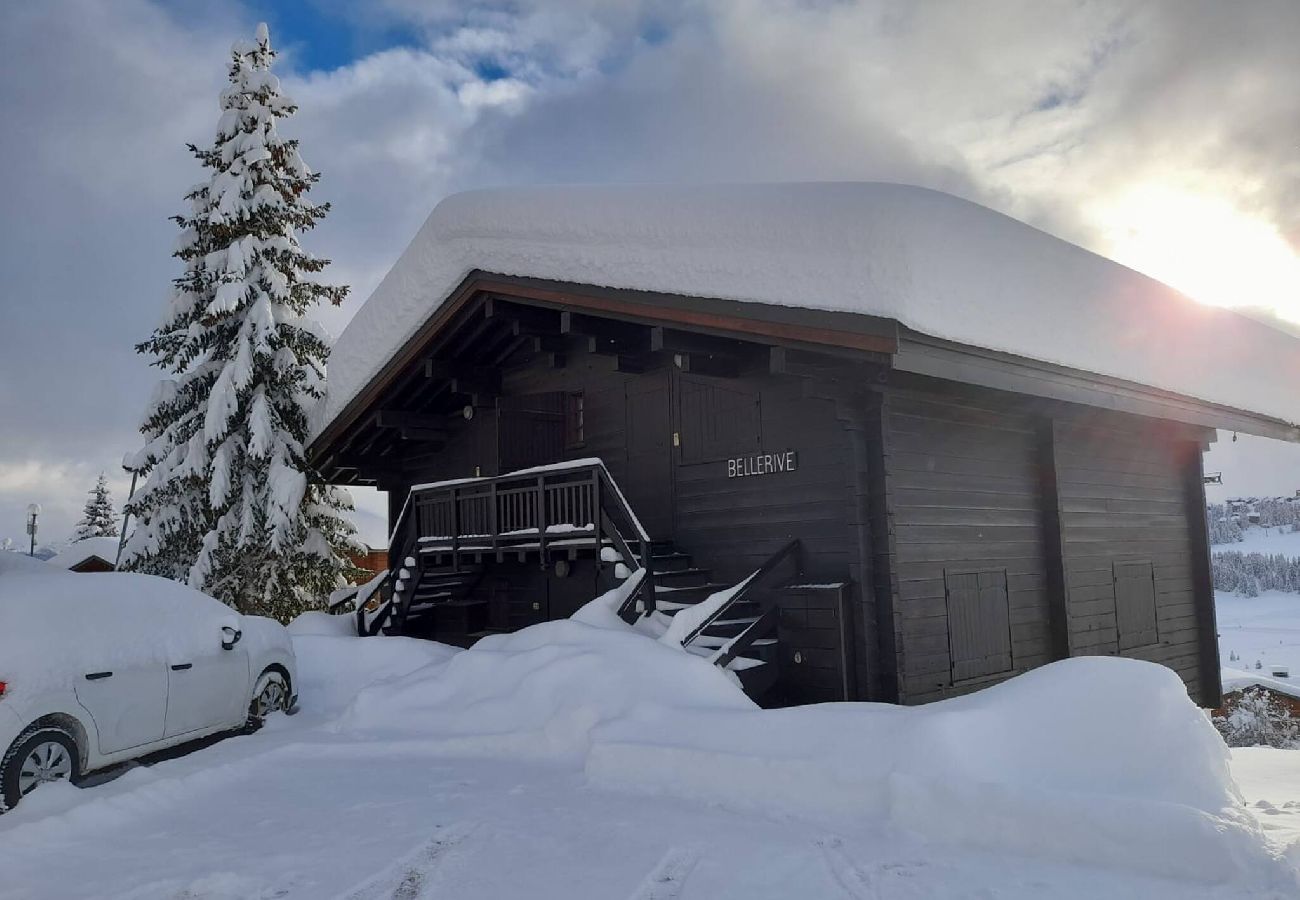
[270, 695]
[41, 754]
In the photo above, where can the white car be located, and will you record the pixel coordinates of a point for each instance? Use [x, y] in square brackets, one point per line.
[100, 668]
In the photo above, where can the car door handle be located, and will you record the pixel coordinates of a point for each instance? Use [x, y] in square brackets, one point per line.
[180, 667]
[96, 676]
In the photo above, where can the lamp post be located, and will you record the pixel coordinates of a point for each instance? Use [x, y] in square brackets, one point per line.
[33, 513]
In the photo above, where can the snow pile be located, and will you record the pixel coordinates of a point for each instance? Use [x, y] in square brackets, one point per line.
[938, 264]
[541, 693]
[1103, 761]
[55, 626]
[334, 665]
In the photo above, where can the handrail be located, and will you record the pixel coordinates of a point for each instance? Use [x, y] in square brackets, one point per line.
[764, 571]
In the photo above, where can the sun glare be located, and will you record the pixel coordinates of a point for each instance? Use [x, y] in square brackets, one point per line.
[1204, 247]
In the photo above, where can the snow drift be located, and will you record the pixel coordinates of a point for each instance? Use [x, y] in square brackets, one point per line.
[938, 264]
[1102, 761]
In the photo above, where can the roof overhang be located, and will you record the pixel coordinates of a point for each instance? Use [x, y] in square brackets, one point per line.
[880, 341]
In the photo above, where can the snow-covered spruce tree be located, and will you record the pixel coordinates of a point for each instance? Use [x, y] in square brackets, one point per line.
[98, 517]
[227, 503]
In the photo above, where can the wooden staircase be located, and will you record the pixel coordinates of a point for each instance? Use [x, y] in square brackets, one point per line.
[449, 534]
[736, 627]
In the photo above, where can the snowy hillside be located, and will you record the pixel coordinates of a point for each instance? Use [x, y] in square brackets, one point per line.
[1264, 629]
[581, 759]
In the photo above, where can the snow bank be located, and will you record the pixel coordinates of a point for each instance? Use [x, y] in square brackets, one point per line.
[1103, 761]
[1094, 760]
[57, 625]
[938, 264]
[334, 665]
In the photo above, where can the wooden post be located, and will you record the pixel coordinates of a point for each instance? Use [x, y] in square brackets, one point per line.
[596, 505]
[1203, 581]
[1053, 542]
[541, 521]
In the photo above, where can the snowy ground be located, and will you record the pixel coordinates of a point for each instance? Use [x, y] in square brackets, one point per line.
[472, 777]
[1264, 628]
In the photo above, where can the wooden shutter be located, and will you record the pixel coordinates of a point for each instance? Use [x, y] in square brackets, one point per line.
[717, 422]
[1135, 604]
[979, 623]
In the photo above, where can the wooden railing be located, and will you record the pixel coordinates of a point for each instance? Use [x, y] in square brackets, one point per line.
[541, 509]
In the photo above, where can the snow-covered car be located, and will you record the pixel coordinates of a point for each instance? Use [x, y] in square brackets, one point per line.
[101, 668]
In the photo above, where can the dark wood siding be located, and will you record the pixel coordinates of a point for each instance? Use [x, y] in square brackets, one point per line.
[1128, 544]
[964, 496]
[734, 524]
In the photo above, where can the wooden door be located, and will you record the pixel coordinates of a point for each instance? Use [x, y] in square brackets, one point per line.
[647, 481]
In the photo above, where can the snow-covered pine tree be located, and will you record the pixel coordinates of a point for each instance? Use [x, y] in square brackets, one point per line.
[98, 517]
[227, 503]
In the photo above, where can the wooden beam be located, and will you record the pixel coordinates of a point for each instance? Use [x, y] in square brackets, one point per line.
[718, 367]
[401, 418]
[549, 344]
[673, 340]
[630, 335]
[424, 435]
[1203, 582]
[522, 318]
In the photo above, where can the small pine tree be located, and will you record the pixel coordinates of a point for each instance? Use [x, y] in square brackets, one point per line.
[228, 503]
[98, 516]
[1257, 719]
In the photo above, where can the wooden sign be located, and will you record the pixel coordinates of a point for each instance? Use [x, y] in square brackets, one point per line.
[762, 464]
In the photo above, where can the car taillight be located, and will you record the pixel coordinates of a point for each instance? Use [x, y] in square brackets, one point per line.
[3, 688]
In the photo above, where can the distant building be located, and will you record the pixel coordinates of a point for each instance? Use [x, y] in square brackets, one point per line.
[374, 560]
[97, 554]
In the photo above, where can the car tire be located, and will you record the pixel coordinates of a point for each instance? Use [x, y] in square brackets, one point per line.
[40, 754]
[270, 694]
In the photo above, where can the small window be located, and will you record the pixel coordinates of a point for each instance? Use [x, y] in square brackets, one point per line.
[575, 421]
[979, 623]
[1135, 604]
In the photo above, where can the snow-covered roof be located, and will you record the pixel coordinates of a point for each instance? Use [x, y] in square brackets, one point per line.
[938, 264]
[80, 551]
[1240, 679]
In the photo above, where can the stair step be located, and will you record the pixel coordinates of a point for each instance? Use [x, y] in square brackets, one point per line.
[689, 594]
[667, 562]
[688, 577]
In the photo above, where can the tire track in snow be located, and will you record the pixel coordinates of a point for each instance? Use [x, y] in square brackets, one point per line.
[668, 877]
[856, 884]
[409, 877]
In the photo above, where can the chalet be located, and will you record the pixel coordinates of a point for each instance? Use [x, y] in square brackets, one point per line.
[878, 442]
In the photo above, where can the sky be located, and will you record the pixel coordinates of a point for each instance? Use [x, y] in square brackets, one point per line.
[1165, 135]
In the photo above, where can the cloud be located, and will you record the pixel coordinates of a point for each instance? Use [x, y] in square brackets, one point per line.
[1051, 111]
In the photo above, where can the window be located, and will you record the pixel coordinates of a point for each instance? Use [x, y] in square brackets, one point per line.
[1135, 604]
[575, 420]
[979, 623]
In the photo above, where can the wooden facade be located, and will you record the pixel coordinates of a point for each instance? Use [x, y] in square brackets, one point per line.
[956, 523]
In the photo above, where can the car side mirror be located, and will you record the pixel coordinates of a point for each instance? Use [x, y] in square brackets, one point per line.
[230, 637]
